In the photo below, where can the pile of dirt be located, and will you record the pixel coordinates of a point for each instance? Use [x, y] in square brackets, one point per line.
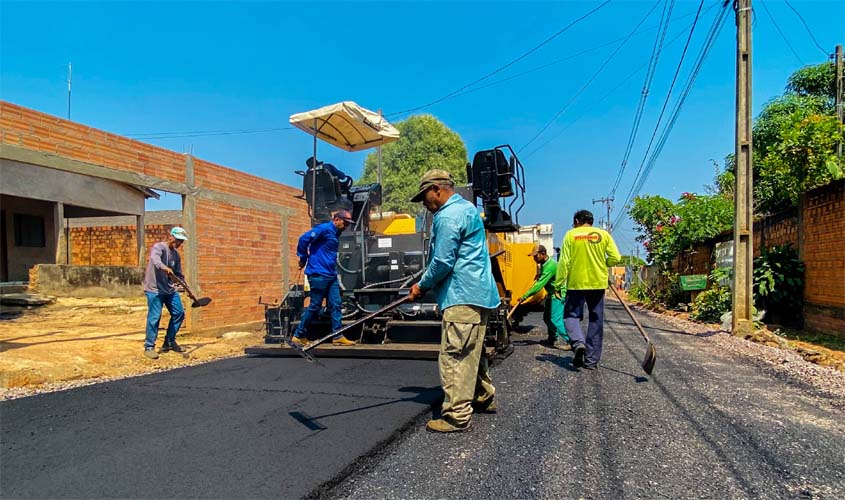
[79, 341]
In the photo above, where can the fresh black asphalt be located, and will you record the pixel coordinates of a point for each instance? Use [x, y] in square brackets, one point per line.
[238, 428]
[706, 424]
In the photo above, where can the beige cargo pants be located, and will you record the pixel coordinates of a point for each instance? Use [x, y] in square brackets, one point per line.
[463, 367]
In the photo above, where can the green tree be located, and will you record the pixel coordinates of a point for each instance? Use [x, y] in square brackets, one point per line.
[425, 143]
[795, 137]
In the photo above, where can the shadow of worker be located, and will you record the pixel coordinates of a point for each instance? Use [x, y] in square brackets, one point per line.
[427, 396]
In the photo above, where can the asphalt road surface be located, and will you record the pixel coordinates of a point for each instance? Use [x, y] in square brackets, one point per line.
[239, 428]
[705, 425]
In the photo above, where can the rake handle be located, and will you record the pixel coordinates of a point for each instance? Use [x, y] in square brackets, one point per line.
[389, 307]
[631, 314]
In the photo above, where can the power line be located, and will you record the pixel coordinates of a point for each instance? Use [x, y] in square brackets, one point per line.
[202, 133]
[669, 92]
[809, 31]
[775, 24]
[713, 33]
[652, 67]
[591, 108]
[501, 68]
[584, 87]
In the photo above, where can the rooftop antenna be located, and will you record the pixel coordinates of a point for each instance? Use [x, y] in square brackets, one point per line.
[69, 73]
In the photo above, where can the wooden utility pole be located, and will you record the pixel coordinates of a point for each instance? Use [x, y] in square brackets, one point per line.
[608, 201]
[839, 90]
[744, 187]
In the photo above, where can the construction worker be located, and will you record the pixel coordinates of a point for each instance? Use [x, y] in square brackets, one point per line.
[163, 263]
[553, 306]
[317, 252]
[460, 275]
[581, 278]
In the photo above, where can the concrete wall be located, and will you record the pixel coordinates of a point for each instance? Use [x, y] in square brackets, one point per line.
[242, 228]
[86, 281]
[20, 259]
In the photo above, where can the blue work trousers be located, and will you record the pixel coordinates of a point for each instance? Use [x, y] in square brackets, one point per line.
[177, 315]
[322, 287]
[573, 311]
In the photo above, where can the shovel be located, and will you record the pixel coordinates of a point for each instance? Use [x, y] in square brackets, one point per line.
[650, 353]
[195, 302]
[303, 351]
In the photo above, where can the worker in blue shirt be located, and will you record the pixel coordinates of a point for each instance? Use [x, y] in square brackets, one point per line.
[317, 252]
[460, 274]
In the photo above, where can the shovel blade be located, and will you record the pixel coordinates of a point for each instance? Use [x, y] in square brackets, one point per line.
[649, 359]
[297, 349]
[201, 302]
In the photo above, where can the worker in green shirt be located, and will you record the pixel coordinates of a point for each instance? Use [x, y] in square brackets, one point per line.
[553, 307]
[582, 277]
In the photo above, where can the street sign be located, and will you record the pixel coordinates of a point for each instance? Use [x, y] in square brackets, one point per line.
[693, 282]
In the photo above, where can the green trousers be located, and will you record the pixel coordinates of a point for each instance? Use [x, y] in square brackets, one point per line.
[463, 366]
[553, 317]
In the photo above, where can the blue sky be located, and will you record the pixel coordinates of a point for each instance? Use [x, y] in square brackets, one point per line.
[150, 67]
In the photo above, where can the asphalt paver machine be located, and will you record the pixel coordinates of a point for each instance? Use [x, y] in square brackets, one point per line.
[384, 253]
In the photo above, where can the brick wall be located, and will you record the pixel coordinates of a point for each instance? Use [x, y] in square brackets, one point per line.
[111, 245]
[824, 257]
[239, 250]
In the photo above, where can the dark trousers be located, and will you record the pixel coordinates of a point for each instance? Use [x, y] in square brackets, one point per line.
[573, 311]
[322, 287]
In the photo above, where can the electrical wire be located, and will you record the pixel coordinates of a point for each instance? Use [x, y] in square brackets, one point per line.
[652, 67]
[809, 31]
[590, 81]
[591, 108]
[713, 33]
[501, 68]
[202, 133]
[775, 24]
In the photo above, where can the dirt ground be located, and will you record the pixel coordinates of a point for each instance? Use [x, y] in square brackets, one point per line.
[79, 341]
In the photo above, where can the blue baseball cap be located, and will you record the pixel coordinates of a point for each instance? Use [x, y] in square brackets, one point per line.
[179, 233]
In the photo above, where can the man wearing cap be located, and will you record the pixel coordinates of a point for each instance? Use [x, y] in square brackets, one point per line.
[317, 252]
[163, 263]
[581, 279]
[460, 276]
[553, 307]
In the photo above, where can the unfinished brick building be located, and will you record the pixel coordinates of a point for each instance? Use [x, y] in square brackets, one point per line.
[243, 228]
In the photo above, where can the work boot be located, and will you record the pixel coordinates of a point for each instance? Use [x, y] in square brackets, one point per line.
[488, 406]
[547, 342]
[343, 341]
[172, 346]
[578, 360]
[299, 341]
[564, 346]
[151, 353]
[441, 425]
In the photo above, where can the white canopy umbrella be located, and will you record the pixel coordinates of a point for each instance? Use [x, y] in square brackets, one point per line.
[347, 126]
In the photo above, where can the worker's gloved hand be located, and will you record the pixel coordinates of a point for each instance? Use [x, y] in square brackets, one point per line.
[521, 300]
[302, 263]
[168, 271]
[416, 292]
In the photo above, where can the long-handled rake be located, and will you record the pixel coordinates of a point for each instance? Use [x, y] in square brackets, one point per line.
[303, 351]
[195, 302]
[650, 353]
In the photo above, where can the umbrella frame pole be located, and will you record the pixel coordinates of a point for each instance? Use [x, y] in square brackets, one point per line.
[314, 175]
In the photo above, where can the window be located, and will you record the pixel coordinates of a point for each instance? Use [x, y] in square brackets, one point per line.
[29, 231]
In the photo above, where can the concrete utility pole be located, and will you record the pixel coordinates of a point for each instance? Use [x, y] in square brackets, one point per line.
[839, 90]
[608, 201]
[744, 187]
